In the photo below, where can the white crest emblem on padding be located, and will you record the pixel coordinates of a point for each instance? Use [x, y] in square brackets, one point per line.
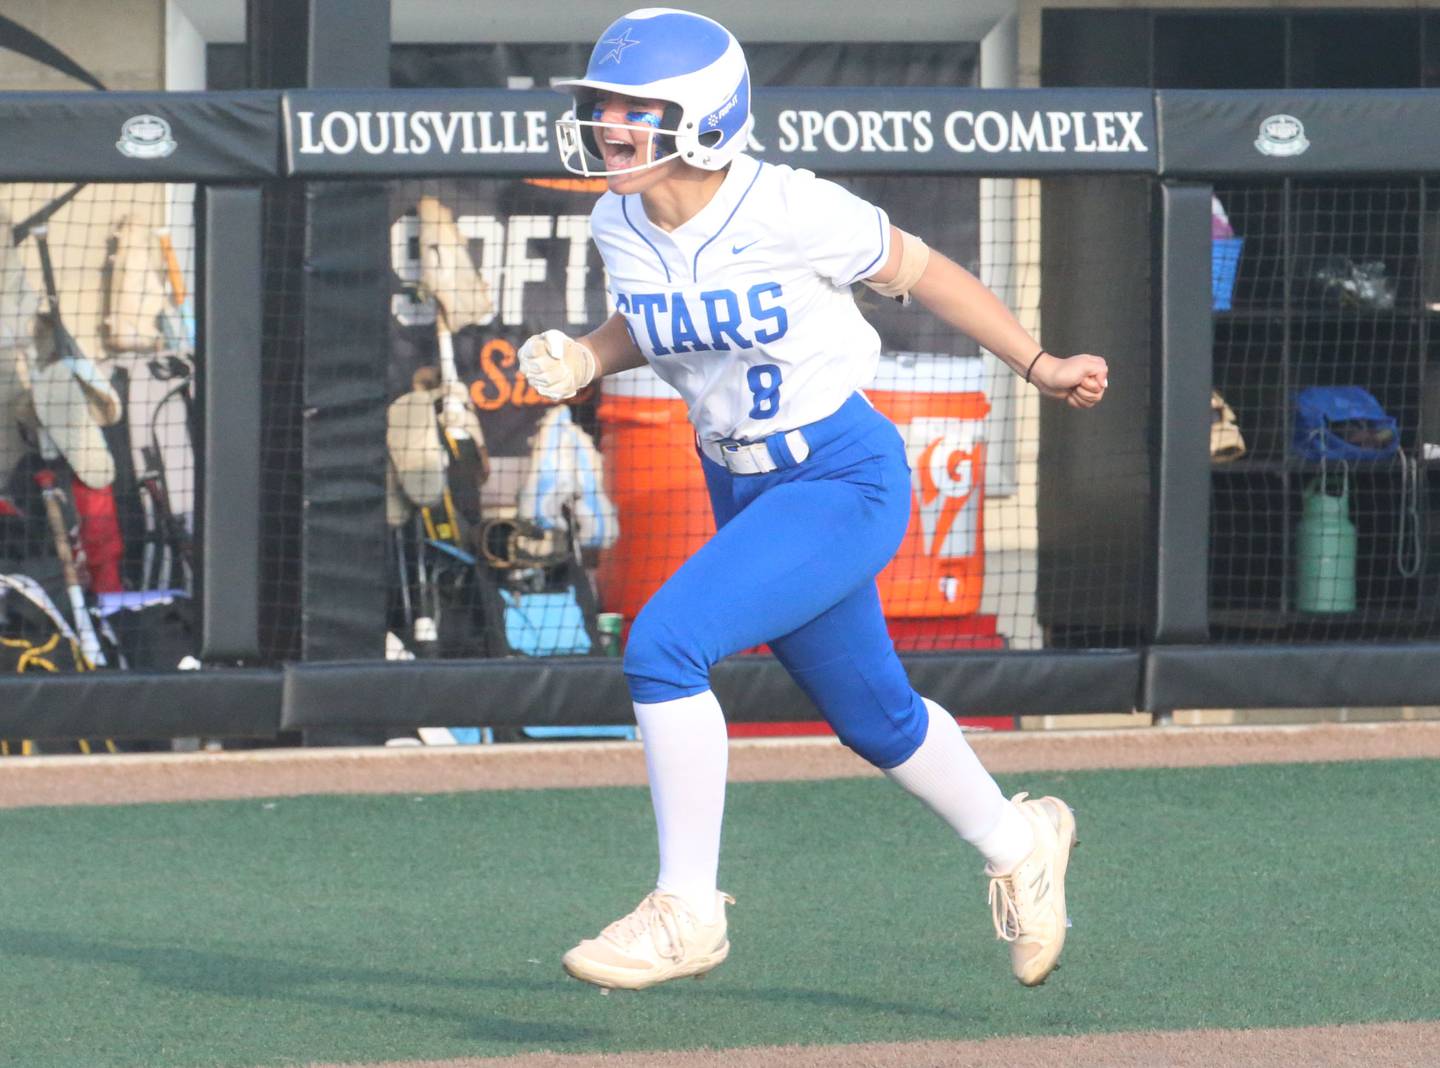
[145, 137]
[1282, 135]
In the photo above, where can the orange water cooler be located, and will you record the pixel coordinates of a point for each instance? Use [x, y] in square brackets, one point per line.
[932, 588]
[938, 403]
[654, 478]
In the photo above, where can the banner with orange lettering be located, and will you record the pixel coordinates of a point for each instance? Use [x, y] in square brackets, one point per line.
[528, 240]
[536, 268]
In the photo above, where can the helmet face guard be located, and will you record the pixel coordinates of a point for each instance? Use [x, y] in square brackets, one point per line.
[579, 139]
[691, 63]
[576, 136]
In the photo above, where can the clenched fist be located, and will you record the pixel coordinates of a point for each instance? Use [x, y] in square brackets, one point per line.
[556, 365]
[1079, 381]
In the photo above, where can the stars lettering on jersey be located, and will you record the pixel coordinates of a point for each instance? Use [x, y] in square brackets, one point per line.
[665, 323]
[617, 53]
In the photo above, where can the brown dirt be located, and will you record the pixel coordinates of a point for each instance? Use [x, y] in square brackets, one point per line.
[134, 777]
[1310, 1047]
[156, 777]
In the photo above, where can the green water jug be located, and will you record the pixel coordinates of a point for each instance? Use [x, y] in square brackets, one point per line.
[1326, 550]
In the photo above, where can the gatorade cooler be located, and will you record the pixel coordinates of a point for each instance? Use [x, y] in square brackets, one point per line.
[938, 402]
[655, 481]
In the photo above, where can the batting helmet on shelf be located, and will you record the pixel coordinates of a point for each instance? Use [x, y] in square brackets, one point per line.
[692, 63]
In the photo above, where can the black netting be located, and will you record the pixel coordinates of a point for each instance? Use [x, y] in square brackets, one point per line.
[586, 508]
[97, 462]
[1321, 465]
[502, 564]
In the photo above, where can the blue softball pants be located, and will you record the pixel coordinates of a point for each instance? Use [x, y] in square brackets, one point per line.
[793, 563]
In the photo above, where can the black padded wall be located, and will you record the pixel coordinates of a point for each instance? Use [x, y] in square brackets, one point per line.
[1094, 508]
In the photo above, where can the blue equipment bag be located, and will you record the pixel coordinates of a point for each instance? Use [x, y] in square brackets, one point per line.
[1342, 423]
[545, 624]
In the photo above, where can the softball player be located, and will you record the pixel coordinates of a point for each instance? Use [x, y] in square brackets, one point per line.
[731, 278]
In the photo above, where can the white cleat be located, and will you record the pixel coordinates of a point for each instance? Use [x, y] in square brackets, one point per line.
[1028, 903]
[662, 939]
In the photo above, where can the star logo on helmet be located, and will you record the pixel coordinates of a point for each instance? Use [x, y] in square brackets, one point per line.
[621, 43]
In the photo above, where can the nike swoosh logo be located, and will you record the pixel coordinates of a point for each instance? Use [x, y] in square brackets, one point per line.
[735, 250]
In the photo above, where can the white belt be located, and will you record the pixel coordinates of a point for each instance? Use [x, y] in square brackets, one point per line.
[758, 457]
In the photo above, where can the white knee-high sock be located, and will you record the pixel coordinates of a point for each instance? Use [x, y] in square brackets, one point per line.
[948, 777]
[686, 753]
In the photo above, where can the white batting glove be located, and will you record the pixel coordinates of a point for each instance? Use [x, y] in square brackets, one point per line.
[556, 365]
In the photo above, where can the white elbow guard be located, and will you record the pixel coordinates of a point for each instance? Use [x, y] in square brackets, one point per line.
[914, 255]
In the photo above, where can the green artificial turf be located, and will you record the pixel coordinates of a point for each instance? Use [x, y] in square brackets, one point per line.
[405, 927]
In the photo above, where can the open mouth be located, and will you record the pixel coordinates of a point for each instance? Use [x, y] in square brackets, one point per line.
[619, 154]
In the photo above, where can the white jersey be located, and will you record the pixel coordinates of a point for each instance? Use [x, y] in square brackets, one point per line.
[746, 308]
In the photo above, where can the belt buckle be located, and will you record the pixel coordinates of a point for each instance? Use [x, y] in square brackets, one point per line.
[746, 458]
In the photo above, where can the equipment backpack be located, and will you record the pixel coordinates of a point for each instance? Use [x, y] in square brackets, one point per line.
[1342, 423]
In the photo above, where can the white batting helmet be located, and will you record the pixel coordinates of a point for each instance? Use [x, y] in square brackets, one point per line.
[692, 63]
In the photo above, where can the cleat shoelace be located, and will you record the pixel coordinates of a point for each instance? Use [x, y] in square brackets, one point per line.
[1011, 898]
[1003, 911]
[656, 915]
